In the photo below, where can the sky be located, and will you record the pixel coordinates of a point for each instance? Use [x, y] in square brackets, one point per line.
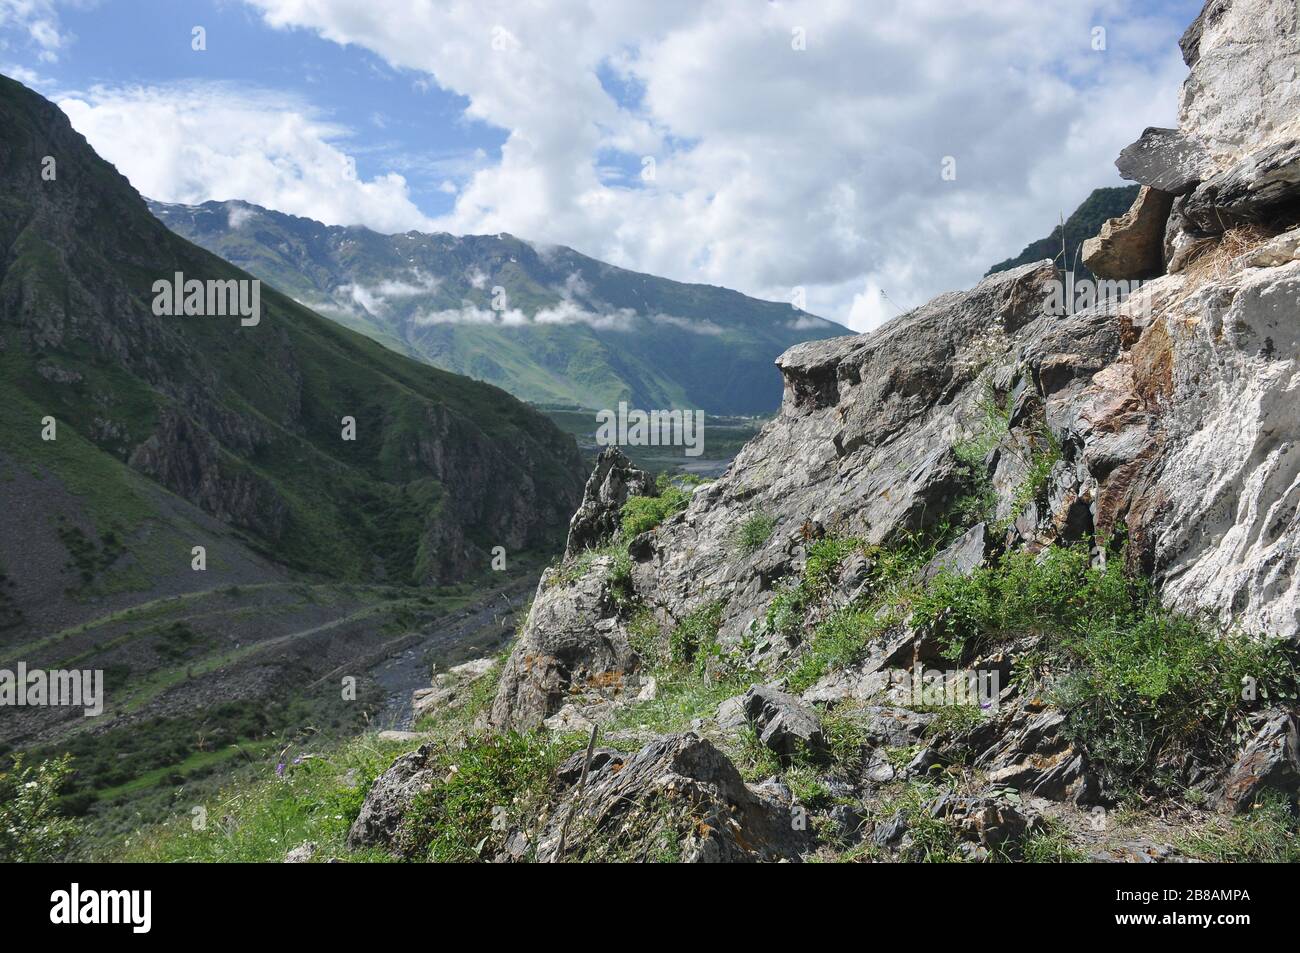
[856, 156]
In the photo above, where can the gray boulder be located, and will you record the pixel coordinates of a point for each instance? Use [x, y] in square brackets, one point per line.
[1133, 245]
[784, 724]
[680, 796]
[573, 643]
[384, 810]
[1165, 160]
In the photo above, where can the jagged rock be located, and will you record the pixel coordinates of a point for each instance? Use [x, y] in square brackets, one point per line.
[731, 713]
[1271, 761]
[1029, 752]
[962, 557]
[1165, 160]
[570, 771]
[783, 723]
[1282, 250]
[683, 790]
[573, 642]
[1241, 94]
[451, 688]
[885, 726]
[1133, 245]
[1264, 184]
[891, 832]
[921, 764]
[380, 821]
[848, 821]
[989, 821]
[612, 481]
[862, 444]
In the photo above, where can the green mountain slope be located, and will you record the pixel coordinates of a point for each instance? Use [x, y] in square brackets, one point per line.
[322, 555]
[570, 329]
[1084, 223]
[246, 422]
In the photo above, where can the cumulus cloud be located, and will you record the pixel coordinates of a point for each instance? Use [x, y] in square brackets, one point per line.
[775, 166]
[195, 142]
[37, 21]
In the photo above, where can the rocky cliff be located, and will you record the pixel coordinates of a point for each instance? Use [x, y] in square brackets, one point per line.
[995, 568]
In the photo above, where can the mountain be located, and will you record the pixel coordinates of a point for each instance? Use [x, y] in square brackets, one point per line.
[1083, 223]
[130, 437]
[571, 330]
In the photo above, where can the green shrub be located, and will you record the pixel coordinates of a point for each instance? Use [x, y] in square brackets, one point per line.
[1133, 678]
[643, 513]
[694, 636]
[32, 826]
[485, 785]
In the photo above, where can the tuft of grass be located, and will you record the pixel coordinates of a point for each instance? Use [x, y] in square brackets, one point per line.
[488, 784]
[1269, 834]
[754, 532]
[1051, 844]
[694, 638]
[842, 639]
[314, 799]
[641, 514]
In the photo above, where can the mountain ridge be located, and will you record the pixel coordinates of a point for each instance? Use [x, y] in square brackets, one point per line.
[568, 329]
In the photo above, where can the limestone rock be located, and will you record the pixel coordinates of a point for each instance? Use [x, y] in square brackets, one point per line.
[1031, 754]
[1165, 160]
[451, 688]
[610, 484]
[1132, 246]
[573, 643]
[384, 809]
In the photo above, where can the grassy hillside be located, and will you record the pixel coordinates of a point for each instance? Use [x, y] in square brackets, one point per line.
[128, 438]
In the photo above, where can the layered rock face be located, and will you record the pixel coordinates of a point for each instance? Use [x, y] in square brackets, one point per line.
[1172, 418]
[1234, 160]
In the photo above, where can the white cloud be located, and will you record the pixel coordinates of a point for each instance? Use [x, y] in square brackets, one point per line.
[469, 313]
[376, 299]
[192, 143]
[818, 168]
[38, 22]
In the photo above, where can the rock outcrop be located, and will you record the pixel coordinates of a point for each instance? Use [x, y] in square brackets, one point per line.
[677, 796]
[1168, 419]
[1132, 246]
[574, 643]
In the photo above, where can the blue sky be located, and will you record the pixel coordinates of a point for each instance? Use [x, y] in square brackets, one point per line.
[777, 169]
